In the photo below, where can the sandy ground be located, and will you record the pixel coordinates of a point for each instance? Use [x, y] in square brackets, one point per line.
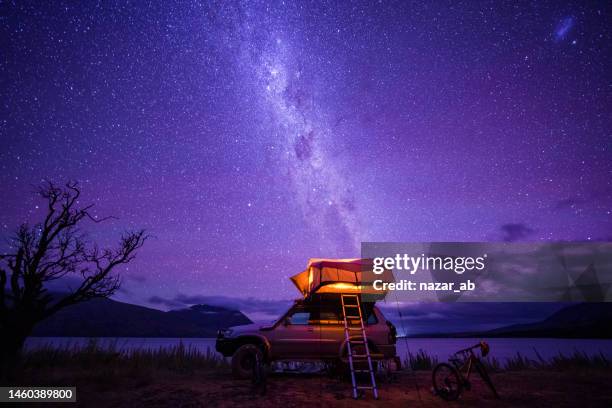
[517, 389]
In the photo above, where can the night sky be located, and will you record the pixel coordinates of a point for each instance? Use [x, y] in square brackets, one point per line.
[249, 138]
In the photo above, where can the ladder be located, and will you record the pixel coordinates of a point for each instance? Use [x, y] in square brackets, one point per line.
[351, 309]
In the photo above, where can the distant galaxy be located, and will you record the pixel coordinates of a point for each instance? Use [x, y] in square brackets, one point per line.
[248, 137]
[563, 28]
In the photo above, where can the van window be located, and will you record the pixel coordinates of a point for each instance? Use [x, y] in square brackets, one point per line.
[329, 317]
[372, 318]
[300, 318]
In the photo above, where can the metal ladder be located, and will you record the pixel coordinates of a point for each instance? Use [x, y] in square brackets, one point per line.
[351, 303]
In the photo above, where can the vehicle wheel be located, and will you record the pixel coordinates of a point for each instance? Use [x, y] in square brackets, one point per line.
[243, 361]
[446, 382]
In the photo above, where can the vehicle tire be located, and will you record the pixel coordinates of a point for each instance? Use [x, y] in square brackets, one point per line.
[447, 382]
[244, 359]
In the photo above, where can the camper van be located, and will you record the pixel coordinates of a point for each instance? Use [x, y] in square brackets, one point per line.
[314, 326]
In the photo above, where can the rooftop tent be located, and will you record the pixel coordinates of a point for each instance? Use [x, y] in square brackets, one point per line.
[340, 276]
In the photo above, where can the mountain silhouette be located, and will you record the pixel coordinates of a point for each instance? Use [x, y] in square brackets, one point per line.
[584, 320]
[110, 318]
[579, 321]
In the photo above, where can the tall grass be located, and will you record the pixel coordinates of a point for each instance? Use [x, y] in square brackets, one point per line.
[95, 356]
[111, 359]
[421, 360]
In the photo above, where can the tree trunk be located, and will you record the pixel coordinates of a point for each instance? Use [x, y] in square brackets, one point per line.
[11, 345]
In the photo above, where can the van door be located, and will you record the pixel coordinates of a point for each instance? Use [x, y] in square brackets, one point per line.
[297, 337]
[332, 331]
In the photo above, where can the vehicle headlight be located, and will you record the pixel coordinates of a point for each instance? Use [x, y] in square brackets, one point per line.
[225, 333]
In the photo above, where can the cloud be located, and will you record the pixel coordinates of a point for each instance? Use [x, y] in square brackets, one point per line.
[255, 309]
[515, 232]
[169, 303]
[409, 317]
[422, 318]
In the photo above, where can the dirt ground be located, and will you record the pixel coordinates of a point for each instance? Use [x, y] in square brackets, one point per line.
[517, 389]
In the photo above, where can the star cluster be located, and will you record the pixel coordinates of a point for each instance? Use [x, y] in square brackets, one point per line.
[249, 137]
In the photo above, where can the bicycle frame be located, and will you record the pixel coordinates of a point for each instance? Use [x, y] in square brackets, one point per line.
[462, 363]
[468, 358]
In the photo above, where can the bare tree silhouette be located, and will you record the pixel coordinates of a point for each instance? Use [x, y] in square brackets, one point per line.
[47, 251]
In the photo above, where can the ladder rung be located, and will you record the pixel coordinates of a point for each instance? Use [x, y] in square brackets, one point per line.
[373, 356]
[350, 325]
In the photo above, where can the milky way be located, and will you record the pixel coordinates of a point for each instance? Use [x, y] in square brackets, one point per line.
[249, 137]
[300, 131]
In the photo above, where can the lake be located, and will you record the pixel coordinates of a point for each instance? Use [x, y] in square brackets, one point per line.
[502, 348]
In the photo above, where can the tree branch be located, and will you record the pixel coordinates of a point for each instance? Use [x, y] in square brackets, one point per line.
[55, 248]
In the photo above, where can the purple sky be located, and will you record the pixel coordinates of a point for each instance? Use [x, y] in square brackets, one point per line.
[250, 138]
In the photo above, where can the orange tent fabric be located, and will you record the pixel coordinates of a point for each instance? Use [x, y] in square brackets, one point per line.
[340, 276]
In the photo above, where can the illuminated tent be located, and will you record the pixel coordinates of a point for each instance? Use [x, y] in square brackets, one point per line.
[352, 276]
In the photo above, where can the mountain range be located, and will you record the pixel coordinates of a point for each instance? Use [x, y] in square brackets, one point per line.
[583, 320]
[110, 318]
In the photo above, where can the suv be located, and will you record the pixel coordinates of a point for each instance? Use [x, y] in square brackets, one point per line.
[312, 329]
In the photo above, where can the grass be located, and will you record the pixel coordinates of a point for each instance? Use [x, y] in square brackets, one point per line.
[421, 360]
[106, 375]
[109, 360]
[94, 356]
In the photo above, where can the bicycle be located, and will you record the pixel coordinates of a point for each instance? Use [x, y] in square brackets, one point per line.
[449, 380]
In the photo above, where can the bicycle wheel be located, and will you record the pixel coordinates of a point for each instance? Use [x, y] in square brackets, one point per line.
[447, 382]
[482, 371]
